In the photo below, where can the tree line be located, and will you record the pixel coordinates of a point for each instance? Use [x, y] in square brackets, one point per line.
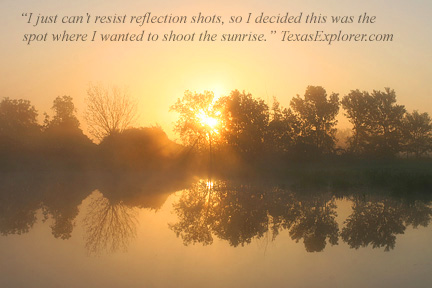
[60, 143]
[237, 126]
[307, 128]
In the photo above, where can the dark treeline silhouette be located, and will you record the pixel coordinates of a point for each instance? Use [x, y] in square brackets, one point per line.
[240, 135]
[231, 135]
[230, 130]
[60, 144]
[306, 130]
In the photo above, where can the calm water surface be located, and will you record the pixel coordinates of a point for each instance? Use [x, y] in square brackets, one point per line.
[210, 234]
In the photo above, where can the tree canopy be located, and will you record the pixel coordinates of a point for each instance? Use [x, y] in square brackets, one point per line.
[109, 110]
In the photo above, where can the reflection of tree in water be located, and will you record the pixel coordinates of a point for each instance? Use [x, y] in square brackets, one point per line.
[195, 213]
[377, 221]
[316, 223]
[235, 214]
[109, 226]
[18, 205]
[239, 213]
[417, 214]
[309, 217]
[17, 217]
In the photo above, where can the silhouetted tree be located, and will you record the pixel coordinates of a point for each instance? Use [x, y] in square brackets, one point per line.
[244, 121]
[417, 133]
[64, 143]
[18, 119]
[387, 118]
[19, 133]
[359, 106]
[377, 121]
[198, 118]
[282, 131]
[316, 113]
[17, 116]
[109, 110]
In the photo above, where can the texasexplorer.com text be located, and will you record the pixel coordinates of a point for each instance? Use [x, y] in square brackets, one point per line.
[340, 36]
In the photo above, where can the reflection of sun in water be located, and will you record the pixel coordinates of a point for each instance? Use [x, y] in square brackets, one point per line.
[209, 184]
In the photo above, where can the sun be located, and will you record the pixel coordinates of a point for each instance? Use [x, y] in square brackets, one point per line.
[208, 117]
[206, 120]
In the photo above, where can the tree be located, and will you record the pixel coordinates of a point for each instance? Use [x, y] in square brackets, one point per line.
[358, 106]
[19, 132]
[282, 130]
[109, 111]
[317, 116]
[64, 143]
[244, 121]
[64, 113]
[17, 117]
[198, 118]
[417, 133]
[377, 121]
[387, 119]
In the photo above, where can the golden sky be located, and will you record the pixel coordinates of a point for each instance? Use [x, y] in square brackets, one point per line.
[157, 73]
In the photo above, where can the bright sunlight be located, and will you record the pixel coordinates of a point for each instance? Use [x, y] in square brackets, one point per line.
[206, 120]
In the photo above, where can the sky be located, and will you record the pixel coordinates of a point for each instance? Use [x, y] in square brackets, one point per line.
[158, 73]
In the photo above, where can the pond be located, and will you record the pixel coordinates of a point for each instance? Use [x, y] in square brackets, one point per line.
[75, 231]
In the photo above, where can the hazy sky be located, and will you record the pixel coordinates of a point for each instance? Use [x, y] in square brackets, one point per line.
[157, 73]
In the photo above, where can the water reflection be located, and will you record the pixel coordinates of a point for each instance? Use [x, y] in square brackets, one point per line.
[57, 195]
[230, 210]
[110, 218]
[377, 220]
[108, 226]
[239, 213]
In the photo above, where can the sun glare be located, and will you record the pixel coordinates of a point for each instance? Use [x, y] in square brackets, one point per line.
[206, 120]
[209, 184]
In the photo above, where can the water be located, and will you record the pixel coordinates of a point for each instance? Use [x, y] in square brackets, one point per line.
[67, 233]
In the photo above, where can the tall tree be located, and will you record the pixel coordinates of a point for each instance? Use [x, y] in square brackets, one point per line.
[282, 130]
[417, 133]
[377, 122]
[19, 132]
[109, 110]
[64, 143]
[198, 118]
[359, 106]
[244, 121]
[64, 113]
[386, 126]
[17, 116]
[317, 115]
